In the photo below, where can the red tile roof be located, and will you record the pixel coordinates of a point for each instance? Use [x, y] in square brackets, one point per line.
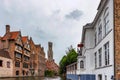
[11, 35]
[51, 65]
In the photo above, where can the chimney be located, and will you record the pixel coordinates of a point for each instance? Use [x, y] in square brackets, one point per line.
[7, 28]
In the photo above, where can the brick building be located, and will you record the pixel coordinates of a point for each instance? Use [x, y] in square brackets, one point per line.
[37, 60]
[26, 56]
[34, 58]
[12, 42]
[41, 60]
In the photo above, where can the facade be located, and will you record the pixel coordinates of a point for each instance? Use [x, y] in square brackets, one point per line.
[27, 58]
[96, 50]
[6, 65]
[96, 56]
[12, 42]
[41, 60]
[33, 59]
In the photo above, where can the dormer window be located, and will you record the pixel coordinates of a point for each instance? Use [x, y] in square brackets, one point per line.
[19, 39]
[28, 46]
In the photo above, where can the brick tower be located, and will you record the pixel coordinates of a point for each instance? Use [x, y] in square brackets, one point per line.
[50, 51]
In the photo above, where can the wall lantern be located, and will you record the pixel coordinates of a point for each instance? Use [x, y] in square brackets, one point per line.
[80, 45]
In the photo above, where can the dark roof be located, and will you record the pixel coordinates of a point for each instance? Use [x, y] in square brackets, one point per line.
[5, 54]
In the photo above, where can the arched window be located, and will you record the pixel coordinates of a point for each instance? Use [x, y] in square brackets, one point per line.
[82, 64]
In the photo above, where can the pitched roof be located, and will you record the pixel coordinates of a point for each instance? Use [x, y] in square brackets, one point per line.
[5, 54]
[24, 39]
[11, 35]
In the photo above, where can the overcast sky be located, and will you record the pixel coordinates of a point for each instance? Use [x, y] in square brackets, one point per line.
[58, 21]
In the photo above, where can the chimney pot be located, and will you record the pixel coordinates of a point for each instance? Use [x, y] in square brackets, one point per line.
[7, 28]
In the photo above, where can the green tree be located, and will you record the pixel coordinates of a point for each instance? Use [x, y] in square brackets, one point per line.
[69, 58]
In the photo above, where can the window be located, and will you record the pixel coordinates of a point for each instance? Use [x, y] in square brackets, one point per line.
[106, 21]
[1, 63]
[106, 48]
[8, 64]
[18, 47]
[81, 64]
[25, 65]
[18, 55]
[100, 77]
[100, 32]
[95, 38]
[26, 58]
[17, 72]
[17, 64]
[95, 60]
[19, 39]
[100, 57]
[105, 77]
[28, 46]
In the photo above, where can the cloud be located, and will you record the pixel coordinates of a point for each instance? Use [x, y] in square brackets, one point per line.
[75, 14]
[45, 20]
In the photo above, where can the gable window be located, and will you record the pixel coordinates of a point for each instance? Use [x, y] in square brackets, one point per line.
[95, 60]
[19, 39]
[106, 48]
[100, 57]
[8, 64]
[1, 63]
[100, 32]
[81, 64]
[106, 21]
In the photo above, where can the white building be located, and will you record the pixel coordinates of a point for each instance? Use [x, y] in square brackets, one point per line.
[96, 56]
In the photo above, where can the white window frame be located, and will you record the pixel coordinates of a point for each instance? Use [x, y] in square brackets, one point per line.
[100, 57]
[107, 54]
[106, 21]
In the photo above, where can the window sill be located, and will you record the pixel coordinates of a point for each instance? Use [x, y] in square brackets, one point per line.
[105, 66]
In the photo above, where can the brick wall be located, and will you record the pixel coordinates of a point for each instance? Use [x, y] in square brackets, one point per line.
[117, 37]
